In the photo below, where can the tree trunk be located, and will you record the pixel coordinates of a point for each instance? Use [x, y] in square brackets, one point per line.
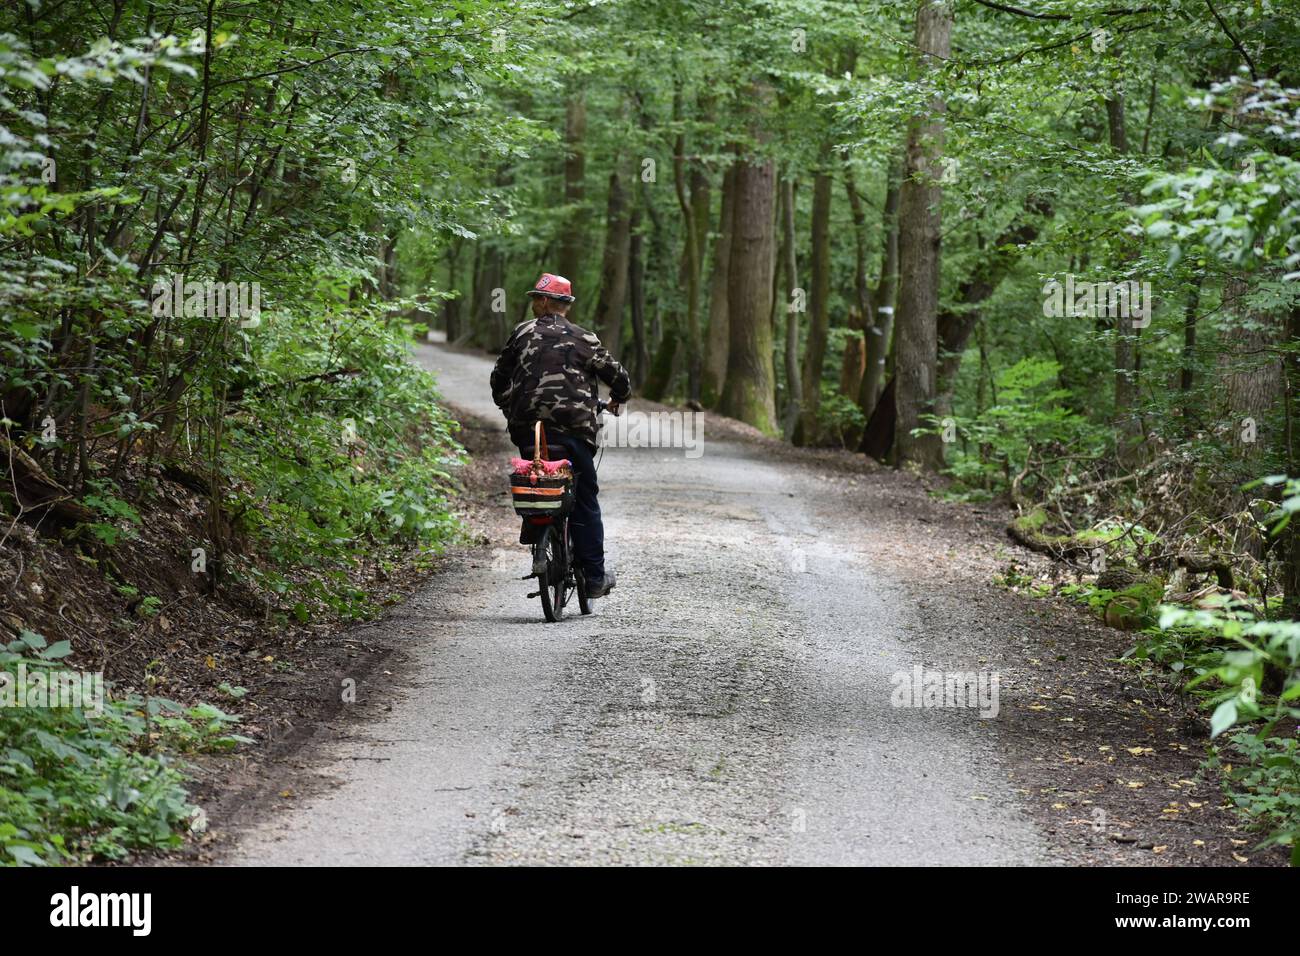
[386, 266]
[861, 292]
[1187, 376]
[852, 367]
[955, 328]
[608, 317]
[490, 320]
[636, 295]
[574, 240]
[451, 307]
[878, 436]
[717, 345]
[749, 395]
[471, 332]
[819, 313]
[1290, 543]
[880, 316]
[701, 197]
[790, 262]
[661, 368]
[993, 265]
[690, 261]
[1128, 427]
[919, 248]
[1250, 371]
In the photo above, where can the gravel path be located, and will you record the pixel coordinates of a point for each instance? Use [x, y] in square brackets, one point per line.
[729, 703]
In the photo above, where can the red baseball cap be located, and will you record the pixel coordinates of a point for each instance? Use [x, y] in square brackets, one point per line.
[553, 287]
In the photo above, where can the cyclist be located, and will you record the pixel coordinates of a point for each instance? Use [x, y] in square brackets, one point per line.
[547, 372]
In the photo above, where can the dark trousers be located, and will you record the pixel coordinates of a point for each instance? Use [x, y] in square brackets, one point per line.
[588, 529]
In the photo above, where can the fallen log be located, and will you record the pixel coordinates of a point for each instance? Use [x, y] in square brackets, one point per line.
[1209, 564]
[36, 493]
[1027, 531]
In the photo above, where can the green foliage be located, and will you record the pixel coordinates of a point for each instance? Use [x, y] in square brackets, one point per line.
[202, 728]
[75, 786]
[1259, 644]
[1238, 673]
[838, 415]
[1241, 207]
[1263, 774]
[1029, 413]
[120, 517]
[358, 461]
[1280, 520]
[131, 161]
[1235, 652]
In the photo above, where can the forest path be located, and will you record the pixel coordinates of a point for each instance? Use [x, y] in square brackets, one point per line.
[730, 702]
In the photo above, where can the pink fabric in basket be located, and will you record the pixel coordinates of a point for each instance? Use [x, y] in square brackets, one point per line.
[522, 466]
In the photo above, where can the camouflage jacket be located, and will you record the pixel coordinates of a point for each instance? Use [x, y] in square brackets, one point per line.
[547, 372]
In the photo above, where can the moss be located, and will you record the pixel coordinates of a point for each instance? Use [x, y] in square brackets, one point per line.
[1134, 607]
[1033, 521]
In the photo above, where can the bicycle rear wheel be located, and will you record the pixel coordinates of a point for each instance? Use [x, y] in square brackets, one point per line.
[553, 588]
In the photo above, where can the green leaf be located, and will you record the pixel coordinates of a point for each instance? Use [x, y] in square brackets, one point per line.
[25, 855]
[57, 650]
[33, 640]
[1225, 715]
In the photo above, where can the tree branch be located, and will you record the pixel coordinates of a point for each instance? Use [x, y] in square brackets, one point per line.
[1235, 42]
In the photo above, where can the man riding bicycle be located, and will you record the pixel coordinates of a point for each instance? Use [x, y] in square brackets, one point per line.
[547, 372]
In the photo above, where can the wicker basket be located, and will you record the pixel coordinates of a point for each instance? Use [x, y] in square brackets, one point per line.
[540, 487]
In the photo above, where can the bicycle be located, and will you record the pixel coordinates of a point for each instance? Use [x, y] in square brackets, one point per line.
[562, 579]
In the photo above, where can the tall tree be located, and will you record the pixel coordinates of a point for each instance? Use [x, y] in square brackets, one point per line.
[883, 298]
[1128, 426]
[790, 262]
[718, 343]
[819, 305]
[608, 317]
[1250, 371]
[691, 252]
[640, 365]
[749, 394]
[574, 241]
[920, 219]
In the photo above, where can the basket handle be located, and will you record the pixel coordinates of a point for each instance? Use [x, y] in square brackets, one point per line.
[540, 451]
